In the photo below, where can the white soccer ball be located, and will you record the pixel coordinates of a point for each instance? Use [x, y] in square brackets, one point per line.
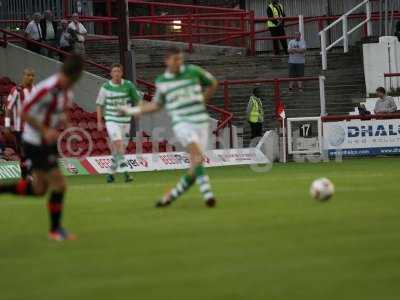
[322, 189]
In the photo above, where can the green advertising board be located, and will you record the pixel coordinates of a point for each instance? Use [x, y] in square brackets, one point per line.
[9, 170]
[69, 167]
[72, 166]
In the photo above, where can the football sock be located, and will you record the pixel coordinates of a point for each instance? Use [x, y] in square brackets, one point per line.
[182, 186]
[22, 187]
[204, 183]
[55, 207]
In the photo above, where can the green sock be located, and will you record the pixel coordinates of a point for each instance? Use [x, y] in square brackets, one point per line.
[204, 183]
[182, 186]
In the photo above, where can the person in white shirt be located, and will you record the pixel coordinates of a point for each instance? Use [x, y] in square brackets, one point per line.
[34, 32]
[297, 59]
[80, 33]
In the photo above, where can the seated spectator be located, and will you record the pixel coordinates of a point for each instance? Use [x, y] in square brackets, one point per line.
[297, 54]
[49, 31]
[66, 41]
[34, 32]
[81, 32]
[385, 104]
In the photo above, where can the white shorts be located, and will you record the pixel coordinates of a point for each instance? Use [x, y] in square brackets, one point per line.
[187, 134]
[118, 132]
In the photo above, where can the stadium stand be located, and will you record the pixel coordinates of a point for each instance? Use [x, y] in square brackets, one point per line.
[345, 78]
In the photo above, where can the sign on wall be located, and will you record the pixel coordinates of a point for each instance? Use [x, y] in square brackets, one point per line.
[362, 138]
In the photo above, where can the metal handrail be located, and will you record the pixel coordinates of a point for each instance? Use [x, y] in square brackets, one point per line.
[346, 32]
[277, 88]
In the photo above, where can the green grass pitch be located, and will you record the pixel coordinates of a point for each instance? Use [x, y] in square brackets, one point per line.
[266, 239]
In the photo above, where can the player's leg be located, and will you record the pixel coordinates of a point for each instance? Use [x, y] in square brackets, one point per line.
[125, 130]
[194, 141]
[196, 152]
[56, 205]
[114, 136]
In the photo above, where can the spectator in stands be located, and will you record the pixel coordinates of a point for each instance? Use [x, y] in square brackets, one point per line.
[255, 114]
[297, 58]
[66, 39]
[49, 31]
[34, 32]
[397, 33]
[385, 104]
[80, 32]
[277, 25]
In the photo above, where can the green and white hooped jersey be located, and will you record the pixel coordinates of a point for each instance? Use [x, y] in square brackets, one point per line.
[182, 95]
[111, 96]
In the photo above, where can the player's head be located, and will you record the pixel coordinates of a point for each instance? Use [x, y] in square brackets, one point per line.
[64, 24]
[257, 92]
[28, 77]
[381, 92]
[71, 71]
[36, 17]
[48, 15]
[174, 59]
[75, 17]
[297, 34]
[117, 72]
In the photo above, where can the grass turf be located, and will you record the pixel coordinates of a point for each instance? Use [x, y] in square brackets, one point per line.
[265, 240]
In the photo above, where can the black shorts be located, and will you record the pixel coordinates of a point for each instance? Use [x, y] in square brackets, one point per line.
[296, 70]
[41, 158]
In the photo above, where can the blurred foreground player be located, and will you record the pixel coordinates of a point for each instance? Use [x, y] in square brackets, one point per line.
[113, 94]
[13, 121]
[180, 91]
[43, 113]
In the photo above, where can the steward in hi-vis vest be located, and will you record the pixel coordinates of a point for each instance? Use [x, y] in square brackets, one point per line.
[255, 114]
[276, 25]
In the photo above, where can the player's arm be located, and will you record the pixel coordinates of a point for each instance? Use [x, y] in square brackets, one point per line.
[145, 107]
[100, 102]
[210, 91]
[142, 108]
[65, 120]
[209, 82]
[11, 99]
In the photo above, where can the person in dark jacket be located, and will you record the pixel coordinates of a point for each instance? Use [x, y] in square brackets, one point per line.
[397, 33]
[49, 31]
[277, 26]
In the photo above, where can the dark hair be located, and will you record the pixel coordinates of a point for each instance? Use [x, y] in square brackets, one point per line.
[116, 65]
[73, 67]
[381, 90]
[173, 50]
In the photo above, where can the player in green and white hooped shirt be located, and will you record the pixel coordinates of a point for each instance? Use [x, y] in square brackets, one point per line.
[113, 94]
[180, 91]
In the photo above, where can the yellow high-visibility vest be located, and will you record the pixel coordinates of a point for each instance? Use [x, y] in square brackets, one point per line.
[276, 14]
[255, 111]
